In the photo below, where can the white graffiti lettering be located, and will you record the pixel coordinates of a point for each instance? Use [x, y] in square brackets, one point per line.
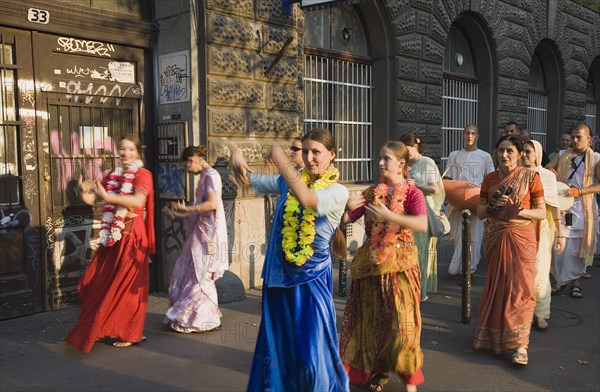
[73, 45]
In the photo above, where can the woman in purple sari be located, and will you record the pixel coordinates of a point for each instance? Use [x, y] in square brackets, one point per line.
[203, 259]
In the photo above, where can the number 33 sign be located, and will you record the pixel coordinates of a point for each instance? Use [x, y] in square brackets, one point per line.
[38, 16]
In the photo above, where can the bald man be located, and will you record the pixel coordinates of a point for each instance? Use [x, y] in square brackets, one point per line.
[578, 167]
[469, 164]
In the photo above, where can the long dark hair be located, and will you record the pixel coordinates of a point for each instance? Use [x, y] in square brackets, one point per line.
[515, 141]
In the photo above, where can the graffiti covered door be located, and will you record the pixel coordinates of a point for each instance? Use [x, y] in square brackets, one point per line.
[83, 142]
[21, 267]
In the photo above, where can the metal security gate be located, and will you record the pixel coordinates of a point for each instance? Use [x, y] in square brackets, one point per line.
[537, 117]
[338, 96]
[460, 98]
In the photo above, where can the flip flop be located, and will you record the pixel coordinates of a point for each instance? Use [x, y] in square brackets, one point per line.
[128, 344]
[520, 357]
[576, 292]
[585, 275]
[378, 382]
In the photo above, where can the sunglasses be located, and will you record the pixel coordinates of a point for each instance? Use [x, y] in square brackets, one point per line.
[296, 149]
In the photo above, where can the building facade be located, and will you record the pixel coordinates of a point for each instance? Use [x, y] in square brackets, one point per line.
[247, 74]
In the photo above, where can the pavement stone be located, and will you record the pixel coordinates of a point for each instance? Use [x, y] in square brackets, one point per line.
[566, 357]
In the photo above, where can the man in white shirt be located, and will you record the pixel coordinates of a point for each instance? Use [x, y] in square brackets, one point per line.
[469, 164]
[579, 168]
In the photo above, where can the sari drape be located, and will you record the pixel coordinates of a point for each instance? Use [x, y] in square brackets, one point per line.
[508, 300]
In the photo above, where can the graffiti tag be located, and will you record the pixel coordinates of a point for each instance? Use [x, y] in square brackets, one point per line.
[73, 45]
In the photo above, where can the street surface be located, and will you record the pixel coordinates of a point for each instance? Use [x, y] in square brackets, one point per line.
[566, 357]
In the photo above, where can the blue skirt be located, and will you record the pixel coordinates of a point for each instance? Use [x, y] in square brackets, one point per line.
[297, 347]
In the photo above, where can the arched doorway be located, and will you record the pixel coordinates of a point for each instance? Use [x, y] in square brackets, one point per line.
[349, 54]
[469, 84]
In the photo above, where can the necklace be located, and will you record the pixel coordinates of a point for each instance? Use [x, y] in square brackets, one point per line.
[119, 182]
[384, 236]
[299, 236]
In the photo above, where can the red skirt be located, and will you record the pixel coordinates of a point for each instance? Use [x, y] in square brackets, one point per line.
[113, 291]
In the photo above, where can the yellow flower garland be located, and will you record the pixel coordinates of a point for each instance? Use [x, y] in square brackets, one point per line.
[301, 235]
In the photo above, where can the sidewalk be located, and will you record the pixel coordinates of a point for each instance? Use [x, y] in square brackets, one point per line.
[566, 357]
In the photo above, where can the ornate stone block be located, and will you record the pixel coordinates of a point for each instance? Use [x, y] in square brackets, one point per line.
[419, 130]
[270, 11]
[504, 85]
[406, 24]
[507, 103]
[521, 70]
[409, 46]
[234, 7]
[576, 83]
[574, 112]
[236, 93]
[229, 62]
[406, 111]
[433, 51]
[426, 5]
[574, 98]
[438, 32]
[407, 68]
[283, 97]
[226, 122]
[286, 71]
[411, 91]
[272, 124]
[430, 73]
[520, 87]
[506, 67]
[434, 152]
[442, 16]
[254, 151]
[434, 134]
[429, 114]
[422, 23]
[397, 7]
[434, 95]
[273, 40]
[232, 31]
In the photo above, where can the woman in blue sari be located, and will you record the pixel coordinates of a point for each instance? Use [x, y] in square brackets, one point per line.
[297, 347]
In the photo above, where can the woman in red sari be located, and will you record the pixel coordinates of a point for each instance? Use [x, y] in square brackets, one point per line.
[512, 201]
[114, 289]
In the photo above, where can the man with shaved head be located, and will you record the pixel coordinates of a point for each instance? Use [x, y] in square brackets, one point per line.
[579, 168]
[469, 164]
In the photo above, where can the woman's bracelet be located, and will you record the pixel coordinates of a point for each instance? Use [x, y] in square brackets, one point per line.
[560, 236]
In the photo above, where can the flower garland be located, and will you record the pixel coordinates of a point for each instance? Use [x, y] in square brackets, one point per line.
[384, 235]
[298, 236]
[119, 182]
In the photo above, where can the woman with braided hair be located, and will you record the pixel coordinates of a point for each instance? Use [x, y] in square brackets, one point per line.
[203, 259]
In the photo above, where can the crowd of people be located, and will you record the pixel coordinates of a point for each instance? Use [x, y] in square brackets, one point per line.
[519, 202]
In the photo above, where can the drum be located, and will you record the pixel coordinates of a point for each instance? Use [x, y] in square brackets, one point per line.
[565, 200]
[462, 195]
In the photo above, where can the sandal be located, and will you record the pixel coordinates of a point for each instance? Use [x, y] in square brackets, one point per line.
[556, 289]
[520, 356]
[585, 275]
[120, 343]
[576, 292]
[378, 382]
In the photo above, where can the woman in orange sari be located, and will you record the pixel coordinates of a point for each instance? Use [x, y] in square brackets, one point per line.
[512, 201]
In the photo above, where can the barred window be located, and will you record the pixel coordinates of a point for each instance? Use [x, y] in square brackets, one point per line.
[10, 174]
[338, 97]
[83, 142]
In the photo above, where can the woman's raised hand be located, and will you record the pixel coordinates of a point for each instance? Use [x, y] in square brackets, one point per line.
[355, 202]
[238, 167]
[378, 211]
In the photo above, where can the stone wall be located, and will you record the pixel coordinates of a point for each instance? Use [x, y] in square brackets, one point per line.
[249, 109]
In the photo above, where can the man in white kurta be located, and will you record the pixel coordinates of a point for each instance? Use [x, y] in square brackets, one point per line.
[469, 164]
[578, 167]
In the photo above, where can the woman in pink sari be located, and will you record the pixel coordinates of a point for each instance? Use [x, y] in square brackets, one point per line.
[512, 201]
[203, 259]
